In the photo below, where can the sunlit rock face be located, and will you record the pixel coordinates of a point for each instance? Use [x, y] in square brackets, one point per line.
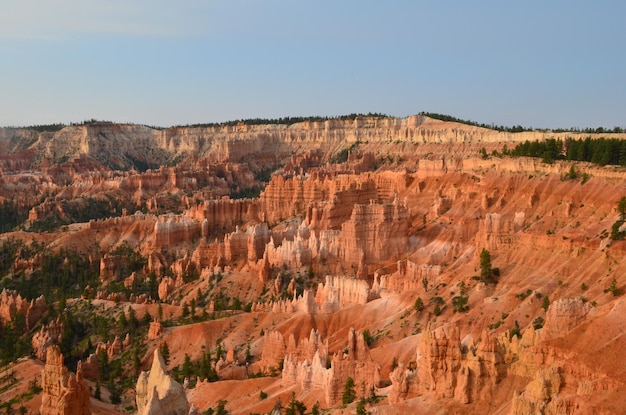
[63, 393]
[158, 393]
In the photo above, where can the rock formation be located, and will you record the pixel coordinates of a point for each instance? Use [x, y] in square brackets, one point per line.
[402, 383]
[47, 336]
[330, 296]
[114, 347]
[223, 215]
[171, 230]
[448, 368]
[63, 393]
[408, 276]
[540, 395]
[338, 292]
[497, 231]
[274, 348]
[290, 248]
[167, 286]
[309, 372]
[374, 232]
[158, 393]
[90, 366]
[12, 303]
[563, 315]
[110, 143]
[358, 365]
[155, 330]
[111, 267]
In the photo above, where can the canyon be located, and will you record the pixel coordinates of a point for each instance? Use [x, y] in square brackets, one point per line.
[250, 266]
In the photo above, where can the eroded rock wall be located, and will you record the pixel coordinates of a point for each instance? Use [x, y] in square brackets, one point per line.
[12, 304]
[311, 372]
[555, 382]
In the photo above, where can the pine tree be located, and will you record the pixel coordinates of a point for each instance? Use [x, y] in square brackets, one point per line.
[486, 272]
[349, 395]
[295, 406]
[621, 207]
[360, 407]
[103, 364]
[165, 352]
[193, 308]
[136, 360]
[133, 323]
[122, 321]
[147, 318]
[97, 392]
[186, 372]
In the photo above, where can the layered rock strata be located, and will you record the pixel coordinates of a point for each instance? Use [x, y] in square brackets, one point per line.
[63, 393]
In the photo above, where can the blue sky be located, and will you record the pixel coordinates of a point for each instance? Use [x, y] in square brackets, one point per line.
[544, 64]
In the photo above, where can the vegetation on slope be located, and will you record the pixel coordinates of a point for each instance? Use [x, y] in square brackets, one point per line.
[450, 118]
[11, 215]
[297, 119]
[518, 128]
[601, 151]
[79, 211]
[285, 120]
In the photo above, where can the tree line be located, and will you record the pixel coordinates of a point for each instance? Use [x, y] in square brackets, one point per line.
[286, 120]
[600, 151]
[296, 119]
[519, 128]
[450, 118]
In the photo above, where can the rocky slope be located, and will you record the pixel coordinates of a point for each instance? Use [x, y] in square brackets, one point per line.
[361, 258]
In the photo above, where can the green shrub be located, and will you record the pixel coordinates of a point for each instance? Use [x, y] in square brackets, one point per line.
[572, 174]
[515, 331]
[613, 288]
[460, 303]
[585, 178]
[360, 407]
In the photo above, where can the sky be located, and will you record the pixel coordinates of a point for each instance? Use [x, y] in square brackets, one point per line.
[541, 64]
